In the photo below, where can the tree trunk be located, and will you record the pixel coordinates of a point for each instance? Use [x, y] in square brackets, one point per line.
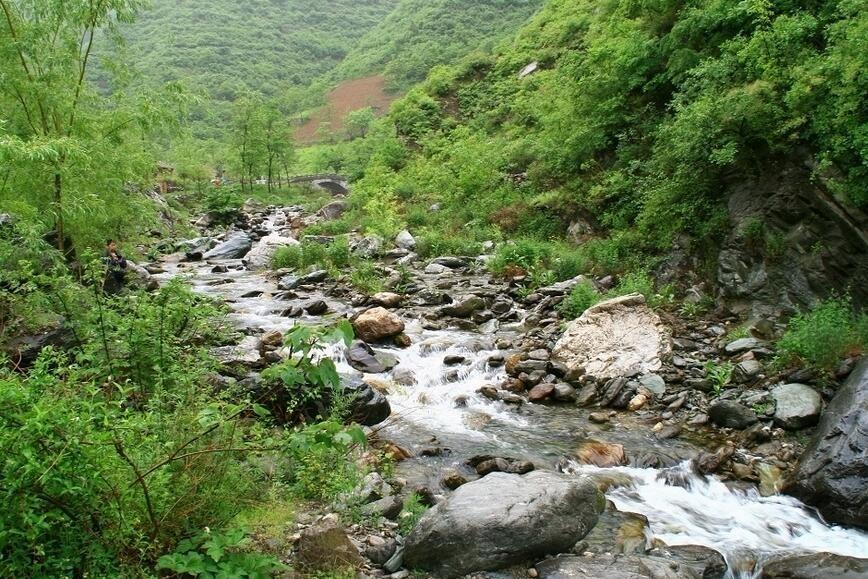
[270, 171]
[58, 213]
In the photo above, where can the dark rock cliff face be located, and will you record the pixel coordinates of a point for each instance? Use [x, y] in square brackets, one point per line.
[791, 244]
[831, 474]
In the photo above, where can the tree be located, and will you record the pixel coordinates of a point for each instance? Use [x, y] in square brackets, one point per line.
[358, 123]
[46, 49]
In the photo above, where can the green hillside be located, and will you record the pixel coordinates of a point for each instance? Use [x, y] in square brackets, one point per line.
[224, 47]
[420, 34]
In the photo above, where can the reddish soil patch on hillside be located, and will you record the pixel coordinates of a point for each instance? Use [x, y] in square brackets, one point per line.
[347, 97]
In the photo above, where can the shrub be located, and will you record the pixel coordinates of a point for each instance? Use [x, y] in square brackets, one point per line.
[822, 336]
[367, 278]
[583, 296]
[411, 513]
[222, 204]
[214, 554]
[523, 253]
[719, 375]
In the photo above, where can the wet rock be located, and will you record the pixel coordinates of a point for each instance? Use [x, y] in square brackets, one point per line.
[404, 376]
[219, 269]
[245, 354]
[452, 479]
[235, 247]
[402, 341]
[263, 251]
[367, 407]
[616, 337]
[586, 395]
[771, 479]
[377, 324]
[710, 462]
[730, 414]
[541, 392]
[405, 240]
[796, 406]
[638, 401]
[387, 299]
[618, 392]
[668, 431]
[703, 561]
[831, 474]
[599, 417]
[602, 454]
[316, 307]
[451, 262]
[574, 567]
[485, 464]
[436, 269]
[288, 282]
[464, 308]
[816, 566]
[361, 357]
[453, 360]
[325, 545]
[503, 519]
[564, 393]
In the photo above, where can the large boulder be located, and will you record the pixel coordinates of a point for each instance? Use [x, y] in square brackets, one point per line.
[235, 247]
[501, 520]
[832, 474]
[334, 209]
[325, 546]
[617, 337]
[816, 566]
[377, 324]
[731, 414]
[262, 253]
[796, 406]
[405, 240]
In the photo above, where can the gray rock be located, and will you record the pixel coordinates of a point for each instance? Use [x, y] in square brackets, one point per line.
[288, 282]
[746, 371]
[368, 247]
[368, 407]
[334, 209]
[381, 552]
[235, 247]
[503, 519]
[388, 507]
[325, 545]
[796, 406]
[730, 414]
[405, 240]
[816, 566]
[361, 357]
[564, 392]
[316, 307]
[833, 471]
[451, 262]
[743, 345]
[653, 383]
[464, 308]
[436, 269]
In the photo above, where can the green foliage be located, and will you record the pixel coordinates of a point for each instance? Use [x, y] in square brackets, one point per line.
[821, 337]
[367, 278]
[320, 469]
[583, 296]
[223, 205]
[639, 282]
[311, 254]
[213, 554]
[309, 384]
[719, 375]
[411, 513]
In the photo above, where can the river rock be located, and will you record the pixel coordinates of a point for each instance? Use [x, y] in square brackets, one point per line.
[464, 308]
[653, 384]
[602, 454]
[832, 474]
[362, 357]
[816, 566]
[796, 406]
[368, 247]
[405, 240]
[334, 209]
[621, 336]
[316, 307]
[501, 520]
[260, 256]
[541, 392]
[377, 324]
[730, 414]
[387, 299]
[743, 345]
[235, 247]
[746, 371]
[325, 546]
[368, 407]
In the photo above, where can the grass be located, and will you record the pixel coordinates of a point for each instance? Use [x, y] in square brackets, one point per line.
[820, 338]
[585, 295]
[410, 515]
[336, 258]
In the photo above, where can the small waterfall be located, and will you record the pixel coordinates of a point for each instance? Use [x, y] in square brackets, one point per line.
[684, 508]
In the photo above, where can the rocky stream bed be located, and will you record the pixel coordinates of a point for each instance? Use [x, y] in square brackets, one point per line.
[511, 422]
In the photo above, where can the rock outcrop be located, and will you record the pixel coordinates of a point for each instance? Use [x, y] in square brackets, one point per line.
[235, 247]
[503, 519]
[617, 337]
[260, 256]
[832, 474]
[377, 324]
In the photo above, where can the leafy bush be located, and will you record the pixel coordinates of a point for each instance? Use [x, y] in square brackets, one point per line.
[583, 296]
[411, 513]
[367, 278]
[222, 204]
[320, 469]
[719, 375]
[821, 337]
[214, 554]
[311, 254]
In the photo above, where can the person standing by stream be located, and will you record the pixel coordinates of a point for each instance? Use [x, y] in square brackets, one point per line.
[116, 269]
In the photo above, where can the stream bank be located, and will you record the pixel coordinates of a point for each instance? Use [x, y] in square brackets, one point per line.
[475, 388]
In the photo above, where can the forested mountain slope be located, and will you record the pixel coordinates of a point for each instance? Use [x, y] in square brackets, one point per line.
[696, 125]
[420, 34]
[224, 46]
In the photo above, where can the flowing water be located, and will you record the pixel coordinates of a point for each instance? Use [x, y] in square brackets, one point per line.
[442, 411]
